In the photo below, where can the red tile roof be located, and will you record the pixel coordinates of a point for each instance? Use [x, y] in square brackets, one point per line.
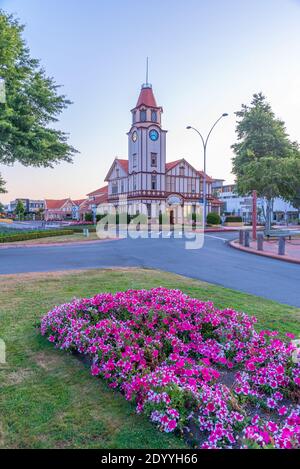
[146, 97]
[208, 178]
[78, 201]
[172, 164]
[52, 204]
[124, 164]
[101, 190]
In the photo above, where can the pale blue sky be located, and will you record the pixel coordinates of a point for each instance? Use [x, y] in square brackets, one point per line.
[206, 57]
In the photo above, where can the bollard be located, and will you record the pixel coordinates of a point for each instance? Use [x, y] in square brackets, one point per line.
[260, 241]
[281, 246]
[241, 236]
[86, 232]
[247, 239]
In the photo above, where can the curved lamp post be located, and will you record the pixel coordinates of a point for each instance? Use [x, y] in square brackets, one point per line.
[204, 143]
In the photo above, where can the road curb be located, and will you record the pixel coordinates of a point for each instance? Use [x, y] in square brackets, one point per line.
[233, 245]
[45, 245]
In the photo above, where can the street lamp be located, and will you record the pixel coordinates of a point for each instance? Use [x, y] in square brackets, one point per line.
[204, 143]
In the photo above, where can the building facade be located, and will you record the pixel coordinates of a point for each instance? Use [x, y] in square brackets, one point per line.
[145, 182]
[30, 206]
[232, 203]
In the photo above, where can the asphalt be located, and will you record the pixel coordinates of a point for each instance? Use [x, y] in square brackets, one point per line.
[215, 262]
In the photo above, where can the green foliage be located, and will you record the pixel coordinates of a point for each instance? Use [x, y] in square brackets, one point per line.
[213, 218]
[32, 104]
[88, 216]
[20, 209]
[233, 219]
[265, 159]
[11, 237]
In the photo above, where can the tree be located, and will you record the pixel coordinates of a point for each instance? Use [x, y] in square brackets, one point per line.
[265, 158]
[20, 209]
[32, 104]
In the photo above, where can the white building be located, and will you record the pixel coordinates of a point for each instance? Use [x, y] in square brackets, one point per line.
[150, 184]
[283, 212]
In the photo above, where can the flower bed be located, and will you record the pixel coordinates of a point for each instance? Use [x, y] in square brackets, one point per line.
[204, 373]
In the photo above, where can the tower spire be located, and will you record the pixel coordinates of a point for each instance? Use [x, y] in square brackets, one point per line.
[147, 70]
[147, 84]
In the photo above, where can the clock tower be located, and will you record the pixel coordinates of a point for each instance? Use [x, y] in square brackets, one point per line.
[146, 145]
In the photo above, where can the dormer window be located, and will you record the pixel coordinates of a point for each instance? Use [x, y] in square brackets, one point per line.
[117, 172]
[143, 115]
[153, 116]
[181, 171]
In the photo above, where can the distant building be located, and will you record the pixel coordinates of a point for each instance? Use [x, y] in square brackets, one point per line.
[31, 206]
[95, 199]
[56, 210]
[232, 203]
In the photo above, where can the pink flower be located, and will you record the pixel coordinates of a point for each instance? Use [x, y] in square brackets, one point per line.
[282, 410]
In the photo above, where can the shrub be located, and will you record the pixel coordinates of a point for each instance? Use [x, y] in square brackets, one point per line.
[9, 238]
[213, 218]
[88, 216]
[233, 219]
[172, 355]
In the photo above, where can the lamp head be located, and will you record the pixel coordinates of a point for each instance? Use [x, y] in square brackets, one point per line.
[224, 114]
[189, 127]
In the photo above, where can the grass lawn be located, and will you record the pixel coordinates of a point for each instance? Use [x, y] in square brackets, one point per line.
[48, 399]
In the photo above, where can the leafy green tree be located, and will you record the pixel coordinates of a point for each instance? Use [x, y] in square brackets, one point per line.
[265, 158]
[20, 209]
[32, 104]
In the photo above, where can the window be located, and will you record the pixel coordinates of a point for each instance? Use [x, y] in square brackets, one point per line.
[134, 182]
[153, 182]
[114, 188]
[189, 186]
[181, 171]
[168, 183]
[134, 160]
[133, 117]
[153, 116]
[149, 210]
[117, 172]
[122, 186]
[153, 159]
[143, 116]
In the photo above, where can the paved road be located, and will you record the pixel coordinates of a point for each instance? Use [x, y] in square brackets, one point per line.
[215, 262]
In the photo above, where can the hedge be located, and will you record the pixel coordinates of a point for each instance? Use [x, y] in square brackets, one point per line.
[233, 219]
[10, 238]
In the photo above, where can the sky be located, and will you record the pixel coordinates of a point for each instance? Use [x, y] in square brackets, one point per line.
[206, 58]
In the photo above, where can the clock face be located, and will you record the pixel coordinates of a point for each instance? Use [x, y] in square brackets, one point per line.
[134, 136]
[153, 134]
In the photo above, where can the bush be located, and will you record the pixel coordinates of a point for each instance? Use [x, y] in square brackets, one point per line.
[88, 217]
[233, 219]
[213, 218]
[10, 238]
